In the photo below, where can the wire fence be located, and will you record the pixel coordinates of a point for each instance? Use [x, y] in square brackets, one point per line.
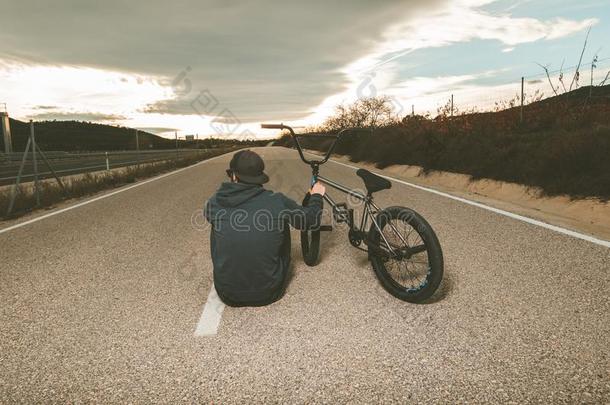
[68, 163]
[492, 96]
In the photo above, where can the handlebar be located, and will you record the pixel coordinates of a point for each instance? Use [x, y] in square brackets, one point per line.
[273, 126]
[296, 137]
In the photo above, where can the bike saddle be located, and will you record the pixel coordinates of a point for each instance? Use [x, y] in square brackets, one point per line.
[372, 182]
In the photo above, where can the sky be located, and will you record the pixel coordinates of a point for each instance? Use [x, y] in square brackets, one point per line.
[220, 67]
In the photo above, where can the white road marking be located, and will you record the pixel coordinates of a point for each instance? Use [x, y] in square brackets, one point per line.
[211, 315]
[509, 214]
[40, 218]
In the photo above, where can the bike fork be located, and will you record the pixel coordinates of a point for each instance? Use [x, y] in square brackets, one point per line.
[315, 169]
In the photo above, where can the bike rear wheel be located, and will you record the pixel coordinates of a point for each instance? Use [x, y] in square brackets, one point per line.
[310, 242]
[413, 268]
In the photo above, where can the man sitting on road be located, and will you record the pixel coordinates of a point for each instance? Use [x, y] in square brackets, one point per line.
[250, 238]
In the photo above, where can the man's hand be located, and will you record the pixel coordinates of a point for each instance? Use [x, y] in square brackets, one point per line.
[318, 188]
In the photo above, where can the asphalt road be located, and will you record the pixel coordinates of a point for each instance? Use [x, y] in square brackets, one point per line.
[100, 303]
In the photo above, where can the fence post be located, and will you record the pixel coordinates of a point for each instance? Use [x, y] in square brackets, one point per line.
[46, 161]
[15, 187]
[107, 161]
[35, 163]
[522, 97]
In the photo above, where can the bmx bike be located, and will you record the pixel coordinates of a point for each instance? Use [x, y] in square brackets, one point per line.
[402, 247]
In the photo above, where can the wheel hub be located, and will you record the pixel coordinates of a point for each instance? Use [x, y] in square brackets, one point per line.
[355, 238]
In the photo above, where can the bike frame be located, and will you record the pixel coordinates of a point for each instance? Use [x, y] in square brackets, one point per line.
[341, 213]
[369, 206]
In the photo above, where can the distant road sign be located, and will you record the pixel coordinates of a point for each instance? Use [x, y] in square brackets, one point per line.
[189, 137]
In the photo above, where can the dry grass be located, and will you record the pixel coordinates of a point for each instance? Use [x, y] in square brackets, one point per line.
[91, 183]
[562, 147]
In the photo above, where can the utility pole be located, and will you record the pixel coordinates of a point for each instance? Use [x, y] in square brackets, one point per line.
[413, 110]
[522, 97]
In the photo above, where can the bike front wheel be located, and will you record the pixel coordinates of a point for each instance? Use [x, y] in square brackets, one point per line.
[310, 242]
[405, 254]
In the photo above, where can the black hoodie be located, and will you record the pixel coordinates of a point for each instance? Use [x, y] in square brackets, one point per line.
[250, 240]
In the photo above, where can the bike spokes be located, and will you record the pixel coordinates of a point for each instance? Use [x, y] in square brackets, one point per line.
[409, 266]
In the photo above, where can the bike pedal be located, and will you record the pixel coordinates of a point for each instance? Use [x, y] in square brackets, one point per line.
[341, 213]
[326, 227]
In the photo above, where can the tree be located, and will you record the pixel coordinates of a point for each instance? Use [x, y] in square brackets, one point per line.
[371, 112]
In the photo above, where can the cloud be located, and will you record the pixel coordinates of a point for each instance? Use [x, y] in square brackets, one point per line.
[149, 61]
[255, 61]
[76, 116]
[157, 130]
[458, 22]
[31, 89]
[461, 23]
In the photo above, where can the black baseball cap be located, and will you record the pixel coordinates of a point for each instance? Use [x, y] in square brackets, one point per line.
[249, 167]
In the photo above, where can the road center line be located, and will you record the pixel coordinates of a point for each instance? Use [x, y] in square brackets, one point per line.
[211, 315]
[509, 214]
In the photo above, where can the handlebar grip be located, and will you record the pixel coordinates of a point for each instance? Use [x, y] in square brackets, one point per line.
[272, 126]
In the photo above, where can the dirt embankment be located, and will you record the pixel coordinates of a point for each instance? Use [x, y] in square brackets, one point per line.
[590, 216]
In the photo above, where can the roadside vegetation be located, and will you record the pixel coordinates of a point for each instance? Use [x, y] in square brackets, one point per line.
[562, 146]
[91, 183]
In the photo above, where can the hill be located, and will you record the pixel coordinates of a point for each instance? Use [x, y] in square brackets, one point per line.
[87, 136]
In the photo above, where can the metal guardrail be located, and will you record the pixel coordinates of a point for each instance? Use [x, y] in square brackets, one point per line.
[67, 163]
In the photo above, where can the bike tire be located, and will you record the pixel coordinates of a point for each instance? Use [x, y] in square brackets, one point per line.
[310, 242]
[434, 254]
